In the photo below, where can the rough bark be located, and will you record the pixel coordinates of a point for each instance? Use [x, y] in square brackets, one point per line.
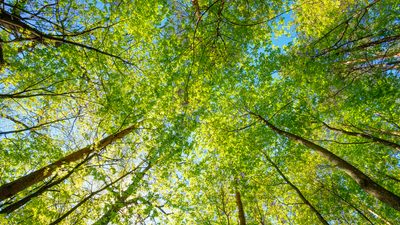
[299, 193]
[242, 218]
[10, 189]
[196, 6]
[2, 61]
[53, 182]
[365, 182]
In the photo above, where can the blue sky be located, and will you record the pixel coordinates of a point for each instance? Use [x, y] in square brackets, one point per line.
[283, 40]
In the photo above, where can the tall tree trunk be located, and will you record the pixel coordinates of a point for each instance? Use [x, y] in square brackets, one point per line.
[299, 193]
[380, 217]
[367, 136]
[366, 183]
[53, 182]
[196, 6]
[10, 189]
[121, 202]
[242, 218]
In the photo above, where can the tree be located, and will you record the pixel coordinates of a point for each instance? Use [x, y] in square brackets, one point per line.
[190, 112]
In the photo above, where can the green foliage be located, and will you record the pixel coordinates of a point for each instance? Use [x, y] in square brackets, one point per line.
[188, 75]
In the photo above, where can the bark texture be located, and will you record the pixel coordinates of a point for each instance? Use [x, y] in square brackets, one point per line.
[365, 182]
[10, 189]
[242, 218]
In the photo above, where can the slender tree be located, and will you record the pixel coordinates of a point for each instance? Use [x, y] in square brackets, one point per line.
[10, 189]
[319, 77]
[239, 203]
[366, 183]
[299, 193]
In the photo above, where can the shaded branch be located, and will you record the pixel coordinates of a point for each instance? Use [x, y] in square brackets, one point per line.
[299, 193]
[36, 126]
[15, 23]
[364, 135]
[58, 220]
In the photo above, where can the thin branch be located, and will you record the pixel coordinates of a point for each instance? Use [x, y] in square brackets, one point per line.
[9, 20]
[364, 135]
[299, 193]
[37, 126]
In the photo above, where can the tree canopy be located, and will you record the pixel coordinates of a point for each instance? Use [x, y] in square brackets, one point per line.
[200, 112]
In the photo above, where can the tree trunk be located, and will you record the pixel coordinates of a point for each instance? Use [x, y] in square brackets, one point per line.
[366, 183]
[380, 217]
[196, 6]
[10, 189]
[19, 203]
[242, 218]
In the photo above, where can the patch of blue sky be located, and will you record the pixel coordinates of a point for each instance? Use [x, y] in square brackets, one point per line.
[288, 30]
[285, 37]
